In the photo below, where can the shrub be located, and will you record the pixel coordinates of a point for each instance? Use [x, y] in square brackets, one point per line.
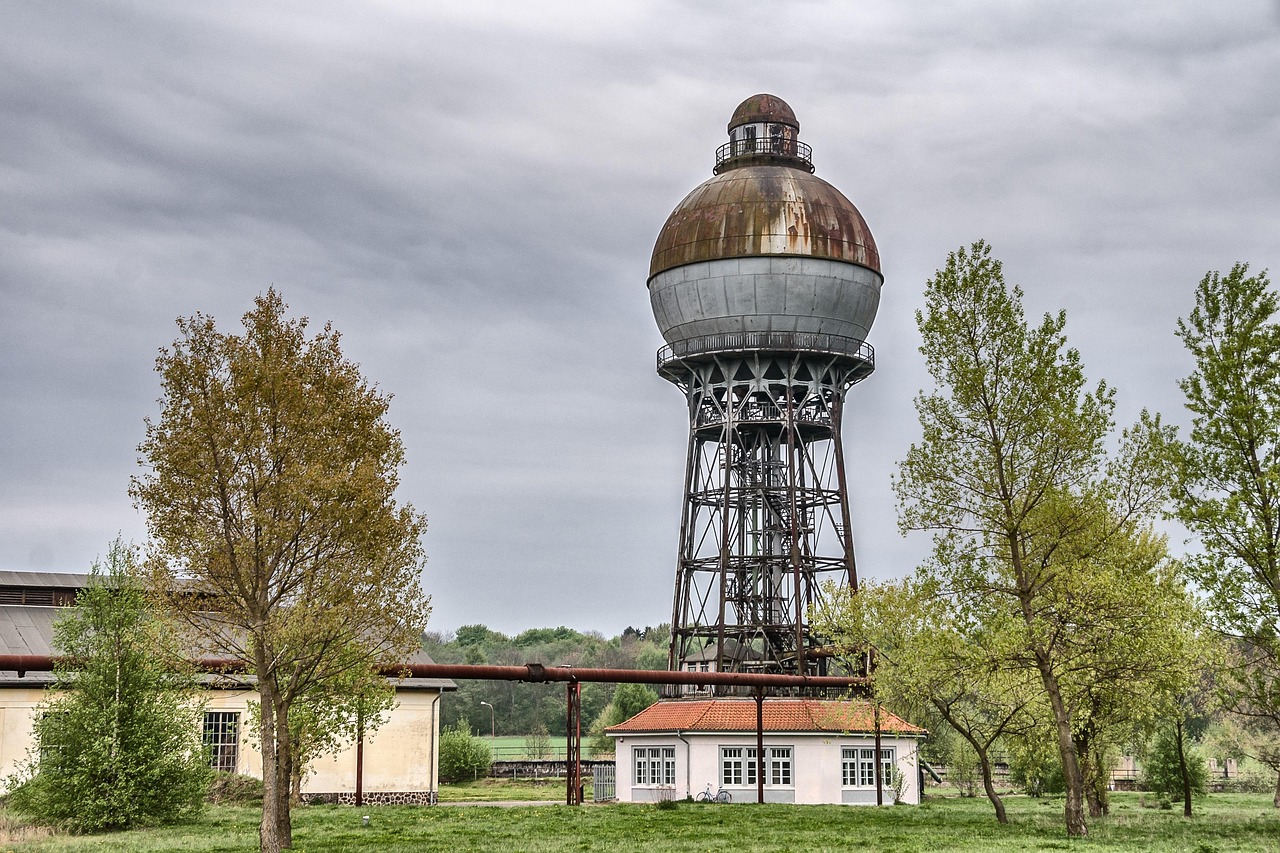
[462, 756]
[234, 788]
[1161, 771]
[537, 744]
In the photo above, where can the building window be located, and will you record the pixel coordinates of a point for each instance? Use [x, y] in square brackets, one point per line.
[738, 766]
[654, 765]
[222, 739]
[779, 758]
[858, 768]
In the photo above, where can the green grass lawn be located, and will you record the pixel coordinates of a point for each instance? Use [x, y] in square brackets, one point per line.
[1225, 823]
[550, 790]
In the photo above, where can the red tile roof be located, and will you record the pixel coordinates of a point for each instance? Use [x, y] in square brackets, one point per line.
[780, 715]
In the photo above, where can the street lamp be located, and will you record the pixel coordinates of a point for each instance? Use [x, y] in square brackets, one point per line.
[492, 729]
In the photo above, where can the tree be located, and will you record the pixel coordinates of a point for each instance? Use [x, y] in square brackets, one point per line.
[270, 499]
[119, 744]
[1173, 766]
[926, 653]
[628, 700]
[462, 755]
[1130, 649]
[537, 744]
[1013, 478]
[1228, 490]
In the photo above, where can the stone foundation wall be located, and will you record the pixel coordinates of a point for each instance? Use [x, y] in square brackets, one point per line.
[375, 798]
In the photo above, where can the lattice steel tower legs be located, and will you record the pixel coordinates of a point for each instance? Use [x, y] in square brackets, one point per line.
[766, 509]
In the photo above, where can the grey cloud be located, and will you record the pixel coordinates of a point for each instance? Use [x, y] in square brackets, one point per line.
[471, 192]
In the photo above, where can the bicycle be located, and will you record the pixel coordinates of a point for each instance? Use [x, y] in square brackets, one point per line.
[720, 796]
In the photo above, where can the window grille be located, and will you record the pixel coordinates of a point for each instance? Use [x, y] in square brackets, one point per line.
[222, 739]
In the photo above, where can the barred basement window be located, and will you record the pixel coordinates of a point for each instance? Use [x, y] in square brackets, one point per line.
[222, 739]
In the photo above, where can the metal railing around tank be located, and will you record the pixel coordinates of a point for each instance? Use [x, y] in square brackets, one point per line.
[775, 341]
[765, 145]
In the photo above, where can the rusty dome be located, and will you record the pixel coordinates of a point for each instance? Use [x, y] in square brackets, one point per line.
[764, 200]
[764, 108]
[764, 210]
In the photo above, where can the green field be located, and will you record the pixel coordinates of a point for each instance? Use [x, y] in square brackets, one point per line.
[512, 748]
[1225, 823]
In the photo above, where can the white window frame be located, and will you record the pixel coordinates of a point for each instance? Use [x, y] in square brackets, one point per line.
[858, 768]
[779, 767]
[653, 766]
[738, 767]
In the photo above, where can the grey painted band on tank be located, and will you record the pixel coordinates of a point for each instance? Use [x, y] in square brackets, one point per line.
[770, 293]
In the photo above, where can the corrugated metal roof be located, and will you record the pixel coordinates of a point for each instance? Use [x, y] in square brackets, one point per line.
[60, 580]
[28, 630]
[780, 715]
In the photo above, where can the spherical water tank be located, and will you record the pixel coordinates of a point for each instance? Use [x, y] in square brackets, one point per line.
[764, 246]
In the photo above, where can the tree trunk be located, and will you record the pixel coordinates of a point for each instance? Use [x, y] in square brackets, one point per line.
[284, 773]
[1101, 780]
[1088, 773]
[989, 785]
[1275, 801]
[1074, 810]
[269, 840]
[1183, 770]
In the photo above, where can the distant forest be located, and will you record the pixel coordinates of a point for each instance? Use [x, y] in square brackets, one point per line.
[521, 709]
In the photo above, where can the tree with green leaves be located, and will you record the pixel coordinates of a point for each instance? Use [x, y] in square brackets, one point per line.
[1130, 646]
[270, 498]
[1173, 765]
[1228, 490]
[1013, 478]
[118, 743]
[628, 700]
[927, 654]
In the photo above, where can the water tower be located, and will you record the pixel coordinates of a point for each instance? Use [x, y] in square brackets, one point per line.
[764, 282]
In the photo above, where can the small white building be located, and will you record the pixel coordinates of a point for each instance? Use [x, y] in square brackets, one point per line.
[815, 751]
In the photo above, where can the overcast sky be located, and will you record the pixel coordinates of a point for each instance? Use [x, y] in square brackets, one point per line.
[471, 191]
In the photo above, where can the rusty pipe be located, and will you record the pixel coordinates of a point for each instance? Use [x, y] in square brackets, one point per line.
[533, 673]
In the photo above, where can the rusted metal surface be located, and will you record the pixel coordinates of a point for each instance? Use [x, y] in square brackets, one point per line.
[764, 108]
[856, 351]
[760, 745]
[765, 517]
[534, 673]
[764, 210]
[573, 738]
[764, 282]
[763, 152]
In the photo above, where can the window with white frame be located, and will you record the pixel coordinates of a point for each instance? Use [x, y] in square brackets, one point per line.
[654, 765]
[779, 764]
[738, 766]
[858, 767]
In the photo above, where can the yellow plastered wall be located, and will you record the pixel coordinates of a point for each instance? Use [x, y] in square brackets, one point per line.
[399, 756]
